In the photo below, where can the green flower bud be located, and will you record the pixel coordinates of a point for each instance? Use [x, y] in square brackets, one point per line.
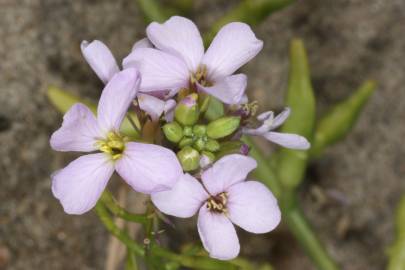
[204, 101]
[189, 158]
[173, 132]
[212, 145]
[188, 131]
[187, 111]
[199, 130]
[223, 127]
[199, 144]
[185, 141]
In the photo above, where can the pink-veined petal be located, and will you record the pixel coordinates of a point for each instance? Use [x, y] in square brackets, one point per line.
[159, 70]
[288, 140]
[217, 234]
[227, 171]
[143, 43]
[178, 36]
[280, 118]
[79, 131]
[183, 200]
[100, 59]
[116, 97]
[79, 185]
[253, 207]
[229, 90]
[148, 168]
[234, 45]
[153, 106]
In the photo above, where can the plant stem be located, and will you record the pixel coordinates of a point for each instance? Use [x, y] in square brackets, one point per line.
[114, 230]
[108, 200]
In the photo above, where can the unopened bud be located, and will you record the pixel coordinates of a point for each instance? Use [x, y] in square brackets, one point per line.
[187, 111]
[223, 127]
[189, 158]
[199, 144]
[173, 132]
[199, 130]
[185, 142]
[206, 159]
[188, 131]
[212, 145]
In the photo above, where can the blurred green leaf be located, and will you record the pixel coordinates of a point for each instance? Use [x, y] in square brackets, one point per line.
[182, 6]
[397, 250]
[249, 11]
[131, 261]
[300, 98]
[339, 121]
[153, 11]
[63, 100]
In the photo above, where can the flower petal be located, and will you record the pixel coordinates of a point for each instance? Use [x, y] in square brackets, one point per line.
[183, 200]
[79, 185]
[217, 234]
[153, 106]
[230, 89]
[280, 118]
[234, 45]
[227, 171]
[149, 168]
[79, 131]
[288, 140]
[159, 70]
[253, 207]
[143, 43]
[116, 98]
[178, 36]
[100, 59]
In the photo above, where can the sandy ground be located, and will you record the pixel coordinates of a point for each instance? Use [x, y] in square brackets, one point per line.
[348, 195]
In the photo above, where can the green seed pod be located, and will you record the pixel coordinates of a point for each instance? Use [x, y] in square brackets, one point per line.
[199, 130]
[212, 145]
[199, 144]
[189, 158]
[185, 141]
[188, 131]
[187, 111]
[223, 127]
[173, 132]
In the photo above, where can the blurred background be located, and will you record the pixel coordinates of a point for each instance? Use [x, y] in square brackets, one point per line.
[349, 195]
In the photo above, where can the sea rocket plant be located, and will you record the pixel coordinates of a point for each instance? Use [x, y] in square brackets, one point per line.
[198, 162]
[146, 168]
[224, 197]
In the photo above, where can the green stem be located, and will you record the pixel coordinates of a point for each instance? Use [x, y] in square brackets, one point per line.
[303, 232]
[108, 200]
[114, 230]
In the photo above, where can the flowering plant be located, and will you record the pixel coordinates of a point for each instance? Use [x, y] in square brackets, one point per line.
[175, 123]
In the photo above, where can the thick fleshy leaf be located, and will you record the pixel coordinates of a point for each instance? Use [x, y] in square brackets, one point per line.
[149, 168]
[234, 45]
[100, 59]
[280, 118]
[153, 106]
[159, 70]
[79, 185]
[183, 200]
[229, 90]
[288, 140]
[217, 234]
[227, 171]
[143, 43]
[253, 207]
[116, 98]
[178, 36]
[79, 131]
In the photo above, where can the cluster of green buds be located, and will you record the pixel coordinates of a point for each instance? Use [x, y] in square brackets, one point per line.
[198, 141]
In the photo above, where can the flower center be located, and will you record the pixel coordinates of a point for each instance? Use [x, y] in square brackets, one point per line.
[218, 203]
[200, 76]
[113, 145]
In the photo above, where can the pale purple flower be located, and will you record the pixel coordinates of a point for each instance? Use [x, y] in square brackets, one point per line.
[146, 168]
[270, 123]
[178, 59]
[103, 63]
[222, 199]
